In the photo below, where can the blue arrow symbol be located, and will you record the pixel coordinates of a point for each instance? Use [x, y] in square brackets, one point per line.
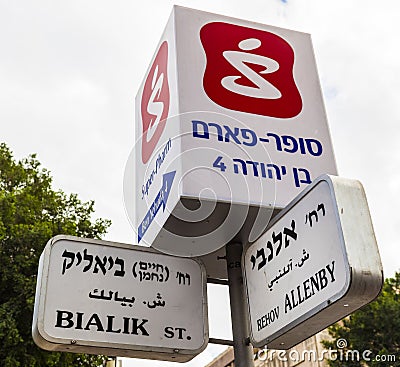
[160, 200]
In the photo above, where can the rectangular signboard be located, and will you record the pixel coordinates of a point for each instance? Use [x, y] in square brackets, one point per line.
[108, 298]
[317, 263]
[230, 121]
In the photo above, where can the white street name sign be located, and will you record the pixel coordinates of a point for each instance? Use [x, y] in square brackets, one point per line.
[108, 298]
[317, 263]
[229, 116]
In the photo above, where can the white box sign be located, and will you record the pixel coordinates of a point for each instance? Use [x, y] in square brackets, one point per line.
[230, 112]
[107, 298]
[317, 262]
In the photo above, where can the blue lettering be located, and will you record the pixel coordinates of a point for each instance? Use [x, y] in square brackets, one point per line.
[227, 134]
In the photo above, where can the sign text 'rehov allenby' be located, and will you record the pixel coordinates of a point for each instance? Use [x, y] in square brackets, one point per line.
[317, 262]
[101, 297]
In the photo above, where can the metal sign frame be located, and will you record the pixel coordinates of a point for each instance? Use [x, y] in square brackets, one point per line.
[361, 283]
[55, 329]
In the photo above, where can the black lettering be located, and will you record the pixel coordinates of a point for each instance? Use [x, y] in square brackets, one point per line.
[301, 300]
[94, 321]
[268, 318]
[314, 284]
[264, 321]
[136, 327]
[126, 325]
[110, 322]
[323, 280]
[79, 316]
[276, 311]
[331, 270]
[306, 289]
[259, 325]
[180, 330]
[293, 299]
[169, 332]
[288, 305]
[67, 318]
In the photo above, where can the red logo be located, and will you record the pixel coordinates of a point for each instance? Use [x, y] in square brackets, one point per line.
[249, 70]
[155, 102]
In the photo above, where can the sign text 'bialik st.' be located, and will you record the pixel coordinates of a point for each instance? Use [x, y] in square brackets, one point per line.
[230, 124]
[108, 298]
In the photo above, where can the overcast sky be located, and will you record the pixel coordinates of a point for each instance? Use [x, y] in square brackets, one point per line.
[69, 72]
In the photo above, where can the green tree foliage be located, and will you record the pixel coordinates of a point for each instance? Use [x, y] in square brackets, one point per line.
[31, 212]
[375, 328]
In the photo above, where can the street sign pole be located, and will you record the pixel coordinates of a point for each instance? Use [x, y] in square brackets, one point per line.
[242, 348]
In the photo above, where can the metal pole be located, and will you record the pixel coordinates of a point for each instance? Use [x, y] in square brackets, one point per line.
[242, 348]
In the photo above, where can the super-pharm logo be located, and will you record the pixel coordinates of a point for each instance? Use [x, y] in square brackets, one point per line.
[155, 102]
[249, 70]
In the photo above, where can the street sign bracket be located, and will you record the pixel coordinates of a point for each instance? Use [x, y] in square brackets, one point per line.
[217, 281]
[221, 341]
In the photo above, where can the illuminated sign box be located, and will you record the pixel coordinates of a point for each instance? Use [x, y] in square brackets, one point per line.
[230, 124]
